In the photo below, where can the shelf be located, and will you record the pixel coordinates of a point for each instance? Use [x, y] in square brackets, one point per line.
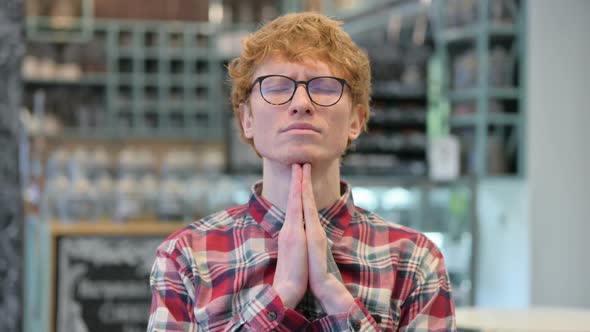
[196, 54]
[390, 174]
[126, 52]
[358, 179]
[400, 145]
[161, 79]
[504, 93]
[398, 90]
[175, 105]
[201, 133]
[459, 34]
[468, 120]
[61, 29]
[394, 89]
[470, 32]
[85, 80]
[407, 153]
[503, 30]
[398, 118]
[494, 93]
[151, 79]
[173, 53]
[368, 15]
[137, 228]
[190, 80]
[157, 52]
[124, 79]
[193, 80]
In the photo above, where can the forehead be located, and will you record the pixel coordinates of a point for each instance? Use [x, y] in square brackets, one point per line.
[304, 68]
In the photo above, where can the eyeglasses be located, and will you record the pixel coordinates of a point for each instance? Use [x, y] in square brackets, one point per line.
[323, 91]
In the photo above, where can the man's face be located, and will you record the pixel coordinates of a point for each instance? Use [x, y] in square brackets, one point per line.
[300, 131]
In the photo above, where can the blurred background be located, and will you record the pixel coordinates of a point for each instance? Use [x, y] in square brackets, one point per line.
[116, 130]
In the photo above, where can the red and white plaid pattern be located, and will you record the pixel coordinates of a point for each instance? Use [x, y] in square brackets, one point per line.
[216, 274]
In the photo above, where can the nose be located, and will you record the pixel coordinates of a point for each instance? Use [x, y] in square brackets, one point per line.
[301, 103]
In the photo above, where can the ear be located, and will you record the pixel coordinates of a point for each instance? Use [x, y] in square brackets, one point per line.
[246, 120]
[358, 118]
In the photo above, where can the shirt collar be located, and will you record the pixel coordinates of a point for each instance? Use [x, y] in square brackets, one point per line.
[335, 218]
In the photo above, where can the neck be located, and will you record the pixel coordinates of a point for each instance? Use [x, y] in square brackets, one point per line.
[276, 179]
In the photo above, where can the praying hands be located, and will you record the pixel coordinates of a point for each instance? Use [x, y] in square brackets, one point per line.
[302, 251]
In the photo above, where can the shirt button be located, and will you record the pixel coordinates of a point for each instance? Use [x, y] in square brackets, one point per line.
[377, 318]
[271, 316]
[356, 325]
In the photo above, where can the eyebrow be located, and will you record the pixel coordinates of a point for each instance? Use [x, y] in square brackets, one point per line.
[306, 71]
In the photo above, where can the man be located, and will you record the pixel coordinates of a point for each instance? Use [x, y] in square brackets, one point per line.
[300, 255]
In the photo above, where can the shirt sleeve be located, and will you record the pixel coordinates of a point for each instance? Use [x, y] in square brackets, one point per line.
[171, 308]
[430, 306]
[173, 288]
[356, 319]
[266, 312]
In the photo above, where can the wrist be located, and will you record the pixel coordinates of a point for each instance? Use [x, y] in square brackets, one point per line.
[335, 298]
[288, 298]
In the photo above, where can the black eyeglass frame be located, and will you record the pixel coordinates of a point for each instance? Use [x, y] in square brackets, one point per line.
[296, 83]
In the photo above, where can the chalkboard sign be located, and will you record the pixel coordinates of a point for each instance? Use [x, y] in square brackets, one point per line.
[103, 282]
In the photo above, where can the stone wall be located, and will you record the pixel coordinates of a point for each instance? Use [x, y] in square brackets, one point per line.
[11, 215]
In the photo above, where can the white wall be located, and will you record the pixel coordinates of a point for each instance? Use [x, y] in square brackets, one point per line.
[534, 245]
[558, 153]
[503, 275]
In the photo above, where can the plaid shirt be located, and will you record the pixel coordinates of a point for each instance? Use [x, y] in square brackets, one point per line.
[217, 273]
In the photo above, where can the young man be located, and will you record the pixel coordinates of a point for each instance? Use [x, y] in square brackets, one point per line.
[300, 255]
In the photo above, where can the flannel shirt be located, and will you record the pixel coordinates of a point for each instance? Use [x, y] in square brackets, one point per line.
[216, 274]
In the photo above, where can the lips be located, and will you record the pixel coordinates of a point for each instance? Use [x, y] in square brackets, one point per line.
[301, 126]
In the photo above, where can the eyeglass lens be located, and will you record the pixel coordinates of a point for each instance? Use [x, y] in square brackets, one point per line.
[324, 91]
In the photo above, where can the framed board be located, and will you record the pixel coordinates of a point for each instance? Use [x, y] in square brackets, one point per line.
[103, 283]
[98, 275]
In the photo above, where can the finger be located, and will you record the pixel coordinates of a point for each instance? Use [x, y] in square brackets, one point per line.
[310, 212]
[292, 274]
[314, 232]
[294, 212]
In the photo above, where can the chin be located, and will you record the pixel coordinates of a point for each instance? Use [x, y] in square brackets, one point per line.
[295, 158]
[301, 152]
[304, 156]
[298, 160]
